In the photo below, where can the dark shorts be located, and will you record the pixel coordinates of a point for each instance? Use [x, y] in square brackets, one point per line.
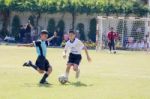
[74, 59]
[42, 63]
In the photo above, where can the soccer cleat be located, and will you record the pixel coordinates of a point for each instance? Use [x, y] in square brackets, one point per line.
[28, 64]
[44, 82]
[78, 74]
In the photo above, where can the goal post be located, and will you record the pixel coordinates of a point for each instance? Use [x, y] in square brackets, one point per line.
[125, 27]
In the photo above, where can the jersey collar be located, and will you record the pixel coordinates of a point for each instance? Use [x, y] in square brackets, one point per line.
[72, 41]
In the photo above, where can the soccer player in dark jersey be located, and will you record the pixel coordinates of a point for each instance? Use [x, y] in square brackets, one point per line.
[42, 64]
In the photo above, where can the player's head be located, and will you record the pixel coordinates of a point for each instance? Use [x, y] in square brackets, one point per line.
[44, 35]
[72, 35]
[111, 29]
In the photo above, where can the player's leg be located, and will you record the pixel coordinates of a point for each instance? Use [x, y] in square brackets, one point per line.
[68, 69]
[40, 71]
[69, 64]
[48, 69]
[77, 70]
[30, 64]
[109, 45]
[45, 76]
[77, 61]
[113, 46]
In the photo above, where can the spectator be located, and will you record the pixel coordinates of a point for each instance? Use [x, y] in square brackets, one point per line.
[22, 32]
[55, 41]
[34, 35]
[66, 37]
[28, 32]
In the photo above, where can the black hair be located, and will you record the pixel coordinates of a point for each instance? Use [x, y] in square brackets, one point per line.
[71, 31]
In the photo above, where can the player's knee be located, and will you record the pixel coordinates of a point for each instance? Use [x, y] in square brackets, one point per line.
[75, 68]
[68, 66]
[49, 70]
[41, 71]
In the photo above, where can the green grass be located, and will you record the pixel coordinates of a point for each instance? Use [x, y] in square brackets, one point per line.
[125, 75]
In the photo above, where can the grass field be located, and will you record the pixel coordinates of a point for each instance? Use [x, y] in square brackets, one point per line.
[125, 75]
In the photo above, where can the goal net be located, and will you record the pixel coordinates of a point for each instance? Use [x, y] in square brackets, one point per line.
[131, 31]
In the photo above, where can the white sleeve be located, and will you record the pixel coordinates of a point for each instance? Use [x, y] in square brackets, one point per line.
[66, 46]
[81, 45]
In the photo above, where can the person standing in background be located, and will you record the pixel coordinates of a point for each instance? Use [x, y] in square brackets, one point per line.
[111, 40]
[21, 34]
[28, 32]
[34, 34]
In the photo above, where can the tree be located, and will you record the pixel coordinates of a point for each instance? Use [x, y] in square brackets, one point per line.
[80, 27]
[92, 32]
[74, 7]
[15, 26]
[61, 27]
[5, 12]
[32, 21]
[51, 26]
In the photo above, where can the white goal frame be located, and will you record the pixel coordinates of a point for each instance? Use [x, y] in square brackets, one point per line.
[99, 31]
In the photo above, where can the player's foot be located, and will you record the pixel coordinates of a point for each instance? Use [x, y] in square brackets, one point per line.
[27, 64]
[44, 82]
[78, 74]
[110, 52]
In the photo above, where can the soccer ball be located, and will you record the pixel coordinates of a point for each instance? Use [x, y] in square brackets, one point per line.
[62, 79]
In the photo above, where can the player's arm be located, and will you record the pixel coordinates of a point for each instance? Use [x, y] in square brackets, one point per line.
[65, 51]
[87, 54]
[26, 45]
[51, 38]
[64, 54]
[86, 51]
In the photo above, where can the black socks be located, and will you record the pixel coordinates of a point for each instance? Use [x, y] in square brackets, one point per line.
[44, 78]
[33, 66]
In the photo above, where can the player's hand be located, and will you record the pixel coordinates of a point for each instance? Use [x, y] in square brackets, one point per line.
[64, 56]
[55, 35]
[89, 58]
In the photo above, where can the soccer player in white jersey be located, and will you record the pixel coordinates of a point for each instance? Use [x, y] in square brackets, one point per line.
[75, 46]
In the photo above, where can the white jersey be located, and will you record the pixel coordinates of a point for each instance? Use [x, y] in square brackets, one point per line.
[75, 47]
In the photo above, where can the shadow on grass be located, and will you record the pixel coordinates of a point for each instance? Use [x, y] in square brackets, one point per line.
[37, 85]
[45, 85]
[78, 84]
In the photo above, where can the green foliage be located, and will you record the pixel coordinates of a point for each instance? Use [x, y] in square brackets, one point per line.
[80, 27]
[15, 26]
[31, 18]
[92, 32]
[61, 27]
[51, 26]
[3, 32]
[107, 7]
[79, 6]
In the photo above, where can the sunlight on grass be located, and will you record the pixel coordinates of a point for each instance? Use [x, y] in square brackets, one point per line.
[125, 75]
